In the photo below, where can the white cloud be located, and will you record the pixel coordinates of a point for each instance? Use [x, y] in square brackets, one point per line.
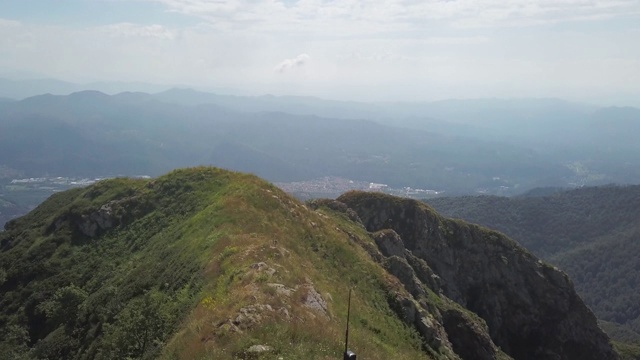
[135, 30]
[295, 62]
[377, 16]
[469, 40]
[9, 23]
[385, 49]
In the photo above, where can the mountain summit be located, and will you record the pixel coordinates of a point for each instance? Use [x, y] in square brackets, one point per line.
[207, 263]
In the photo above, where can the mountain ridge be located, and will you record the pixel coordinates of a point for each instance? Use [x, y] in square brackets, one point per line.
[206, 262]
[492, 276]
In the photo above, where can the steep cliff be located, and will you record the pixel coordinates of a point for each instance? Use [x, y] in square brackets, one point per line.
[592, 233]
[530, 308]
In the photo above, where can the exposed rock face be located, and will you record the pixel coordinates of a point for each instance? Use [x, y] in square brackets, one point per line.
[94, 222]
[445, 327]
[430, 329]
[334, 205]
[389, 243]
[531, 308]
[314, 301]
[468, 340]
[99, 220]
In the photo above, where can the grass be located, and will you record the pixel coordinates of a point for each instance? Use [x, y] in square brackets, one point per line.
[313, 249]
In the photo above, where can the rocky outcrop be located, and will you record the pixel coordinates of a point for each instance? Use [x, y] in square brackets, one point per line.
[93, 222]
[311, 299]
[413, 314]
[531, 309]
[469, 339]
[97, 221]
[335, 206]
[442, 325]
[389, 243]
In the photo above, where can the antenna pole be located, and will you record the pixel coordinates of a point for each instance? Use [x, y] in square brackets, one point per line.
[346, 341]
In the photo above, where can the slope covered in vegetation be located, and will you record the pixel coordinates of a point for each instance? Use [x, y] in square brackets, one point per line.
[205, 263]
[144, 269]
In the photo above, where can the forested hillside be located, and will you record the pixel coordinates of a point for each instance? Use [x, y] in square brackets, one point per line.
[592, 233]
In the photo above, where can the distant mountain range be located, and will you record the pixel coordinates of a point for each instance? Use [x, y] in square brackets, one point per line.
[182, 127]
[91, 133]
[489, 146]
[18, 89]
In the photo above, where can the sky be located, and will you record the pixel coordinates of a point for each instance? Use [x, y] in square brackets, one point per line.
[384, 50]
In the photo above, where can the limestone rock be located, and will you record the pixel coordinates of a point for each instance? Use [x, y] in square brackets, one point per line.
[262, 267]
[469, 340]
[314, 301]
[94, 222]
[389, 242]
[102, 219]
[335, 206]
[256, 352]
[259, 349]
[431, 330]
[282, 289]
[399, 268]
[424, 273]
[250, 316]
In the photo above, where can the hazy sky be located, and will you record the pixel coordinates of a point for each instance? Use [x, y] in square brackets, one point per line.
[344, 49]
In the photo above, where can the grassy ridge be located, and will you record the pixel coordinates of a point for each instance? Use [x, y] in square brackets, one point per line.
[177, 263]
[309, 248]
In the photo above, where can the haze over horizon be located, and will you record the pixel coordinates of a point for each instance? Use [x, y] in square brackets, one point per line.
[393, 50]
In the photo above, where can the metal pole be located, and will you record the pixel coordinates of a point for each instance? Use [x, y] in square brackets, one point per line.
[346, 342]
